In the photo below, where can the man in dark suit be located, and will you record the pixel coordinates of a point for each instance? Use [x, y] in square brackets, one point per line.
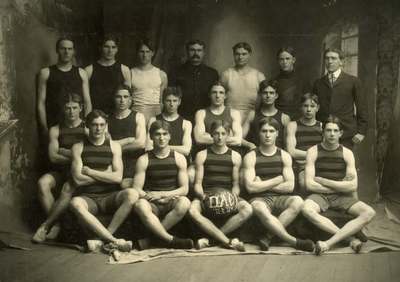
[338, 92]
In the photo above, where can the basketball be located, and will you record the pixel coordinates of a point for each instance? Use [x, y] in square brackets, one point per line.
[221, 203]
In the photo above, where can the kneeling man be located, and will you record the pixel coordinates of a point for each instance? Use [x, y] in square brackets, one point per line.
[269, 180]
[331, 175]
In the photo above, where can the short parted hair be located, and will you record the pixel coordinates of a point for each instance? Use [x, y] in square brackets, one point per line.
[172, 90]
[335, 50]
[270, 121]
[220, 123]
[64, 38]
[159, 124]
[216, 83]
[332, 119]
[309, 96]
[243, 45]
[96, 114]
[287, 49]
[265, 83]
[195, 41]
[144, 42]
[123, 86]
[72, 97]
[109, 37]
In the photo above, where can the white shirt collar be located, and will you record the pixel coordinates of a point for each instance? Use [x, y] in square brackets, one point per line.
[336, 73]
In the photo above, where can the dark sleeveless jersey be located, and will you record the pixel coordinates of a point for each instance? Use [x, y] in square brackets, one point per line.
[58, 85]
[68, 136]
[161, 174]
[255, 128]
[268, 167]
[176, 130]
[103, 82]
[210, 118]
[98, 157]
[330, 164]
[218, 170]
[308, 135]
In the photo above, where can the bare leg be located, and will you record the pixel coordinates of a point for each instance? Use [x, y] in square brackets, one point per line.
[205, 224]
[46, 184]
[180, 209]
[311, 211]
[293, 207]
[233, 223]
[125, 200]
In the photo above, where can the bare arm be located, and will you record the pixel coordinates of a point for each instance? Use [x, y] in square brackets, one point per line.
[253, 185]
[247, 123]
[126, 73]
[287, 185]
[164, 83]
[137, 142]
[41, 103]
[87, 104]
[311, 184]
[77, 165]
[237, 162]
[89, 71]
[236, 138]
[109, 176]
[186, 139]
[285, 121]
[200, 134]
[349, 183]
[54, 154]
[140, 174]
[291, 142]
[198, 182]
[149, 142]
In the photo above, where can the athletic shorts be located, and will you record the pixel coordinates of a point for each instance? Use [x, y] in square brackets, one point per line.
[275, 203]
[333, 201]
[161, 209]
[105, 203]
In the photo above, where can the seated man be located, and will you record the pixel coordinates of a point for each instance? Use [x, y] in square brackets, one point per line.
[162, 183]
[180, 128]
[127, 128]
[61, 138]
[331, 176]
[217, 168]
[269, 180]
[97, 173]
[304, 133]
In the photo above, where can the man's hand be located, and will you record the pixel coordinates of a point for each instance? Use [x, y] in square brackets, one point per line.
[358, 138]
[153, 196]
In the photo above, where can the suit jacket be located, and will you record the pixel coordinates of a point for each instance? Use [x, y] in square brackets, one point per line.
[339, 100]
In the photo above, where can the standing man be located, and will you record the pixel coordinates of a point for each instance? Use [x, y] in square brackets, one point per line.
[162, 182]
[331, 176]
[241, 81]
[269, 181]
[56, 81]
[127, 128]
[106, 74]
[194, 79]
[97, 173]
[290, 85]
[338, 93]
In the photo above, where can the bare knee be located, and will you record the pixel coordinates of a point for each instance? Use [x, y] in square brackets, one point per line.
[130, 196]
[77, 205]
[245, 209]
[259, 209]
[368, 214]
[142, 207]
[45, 185]
[308, 211]
[182, 205]
[296, 203]
[194, 211]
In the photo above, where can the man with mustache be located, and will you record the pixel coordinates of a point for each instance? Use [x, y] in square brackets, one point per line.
[194, 79]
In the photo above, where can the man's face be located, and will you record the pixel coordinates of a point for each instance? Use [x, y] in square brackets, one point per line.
[286, 61]
[72, 111]
[268, 96]
[217, 95]
[122, 100]
[65, 51]
[309, 109]
[241, 57]
[195, 54]
[332, 133]
[145, 55]
[161, 138]
[171, 104]
[219, 136]
[268, 135]
[332, 61]
[109, 50]
[97, 128]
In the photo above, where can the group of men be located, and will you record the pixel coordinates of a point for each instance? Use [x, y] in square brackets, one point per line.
[132, 160]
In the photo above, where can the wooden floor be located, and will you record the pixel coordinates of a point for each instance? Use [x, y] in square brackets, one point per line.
[46, 263]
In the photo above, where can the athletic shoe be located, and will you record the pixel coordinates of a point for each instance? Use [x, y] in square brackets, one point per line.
[40, 235]
[305, 245]
[94, 246]
[320, 248]
[123, 245]
[237, 245]
[264, 243]
[356, 245]
[53, 233]
[202, 243]
[179, 243]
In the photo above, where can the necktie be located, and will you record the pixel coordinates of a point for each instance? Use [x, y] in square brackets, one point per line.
[331, 79]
